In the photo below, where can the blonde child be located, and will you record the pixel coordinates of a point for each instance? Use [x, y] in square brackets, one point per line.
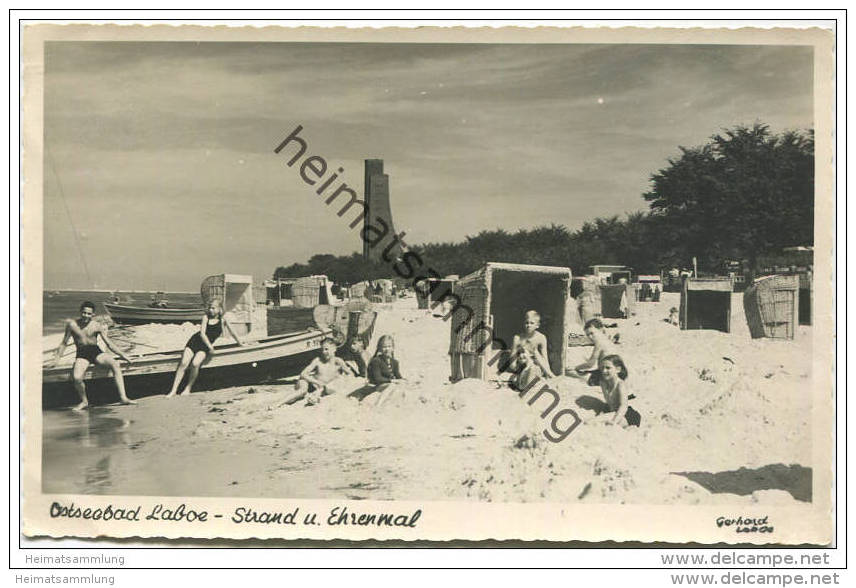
[383, 370]
[529, 354]
[321, 376]
[200, 347]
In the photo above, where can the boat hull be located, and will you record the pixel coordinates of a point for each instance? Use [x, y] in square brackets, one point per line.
[288, 319]
[137, 315]
[264, 361]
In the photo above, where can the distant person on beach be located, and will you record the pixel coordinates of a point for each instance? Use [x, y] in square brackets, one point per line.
[613, 373]
[594, 330]
[320, 377]
[529, 354]
[200, 347]
[84, 332]
[673, 317]
[159, 301]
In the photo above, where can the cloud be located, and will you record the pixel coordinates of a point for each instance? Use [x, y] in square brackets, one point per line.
[149, 137]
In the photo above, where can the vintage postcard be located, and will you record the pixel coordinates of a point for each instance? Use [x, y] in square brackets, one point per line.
[429, 284]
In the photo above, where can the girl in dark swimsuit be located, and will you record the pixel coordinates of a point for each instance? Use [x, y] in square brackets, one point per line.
[200, 346]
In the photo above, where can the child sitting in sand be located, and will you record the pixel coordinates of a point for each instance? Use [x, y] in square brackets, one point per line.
[529, 354]
[613, 374]
[352, 354]
[320, 377]
[595, 331]
[673, 316]
[383, 371]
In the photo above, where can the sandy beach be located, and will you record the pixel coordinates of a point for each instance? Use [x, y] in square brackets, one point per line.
[726, 420]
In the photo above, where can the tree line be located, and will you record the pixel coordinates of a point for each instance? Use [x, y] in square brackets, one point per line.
[745, 194]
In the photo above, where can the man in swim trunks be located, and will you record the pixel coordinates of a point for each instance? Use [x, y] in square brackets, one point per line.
[84, 331]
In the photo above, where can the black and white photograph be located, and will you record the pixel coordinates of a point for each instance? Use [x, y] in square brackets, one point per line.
[357, 284]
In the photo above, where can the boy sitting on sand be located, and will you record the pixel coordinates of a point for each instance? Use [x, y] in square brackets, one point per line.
[595, 331]
[529, 354]
[319, 377]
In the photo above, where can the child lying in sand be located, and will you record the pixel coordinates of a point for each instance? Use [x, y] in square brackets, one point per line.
[320, 378]
[602, 347]
[529, 354]
[613, 374]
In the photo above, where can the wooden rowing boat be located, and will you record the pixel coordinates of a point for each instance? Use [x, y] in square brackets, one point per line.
[151, 374]
[125, 314]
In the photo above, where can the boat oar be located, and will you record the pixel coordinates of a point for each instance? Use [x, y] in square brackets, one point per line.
[133, 343]
[71, 348]
[51, 352]
[68, 351]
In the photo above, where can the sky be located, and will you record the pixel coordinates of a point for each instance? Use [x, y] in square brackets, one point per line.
[160, 167]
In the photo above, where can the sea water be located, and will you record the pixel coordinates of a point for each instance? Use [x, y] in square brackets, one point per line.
[82, 451]
[58, 305]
